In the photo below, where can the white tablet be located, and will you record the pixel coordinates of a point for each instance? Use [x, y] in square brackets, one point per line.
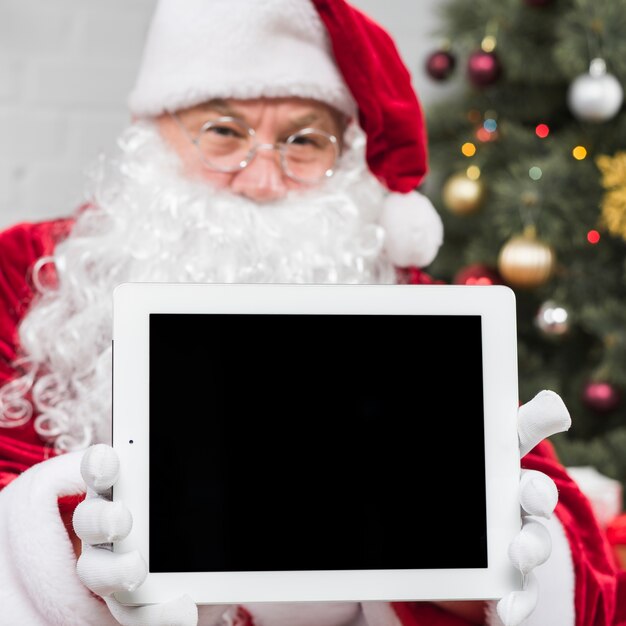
[317, 442]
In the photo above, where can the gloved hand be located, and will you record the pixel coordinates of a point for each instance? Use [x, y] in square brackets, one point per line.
[99, 521]
[541, 417]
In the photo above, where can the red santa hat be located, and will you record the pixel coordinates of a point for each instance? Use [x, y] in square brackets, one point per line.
[327, 50]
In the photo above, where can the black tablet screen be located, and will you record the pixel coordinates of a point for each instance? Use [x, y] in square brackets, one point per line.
[327, 442]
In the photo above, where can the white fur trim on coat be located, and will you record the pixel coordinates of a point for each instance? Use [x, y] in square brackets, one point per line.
[198, 50]
[38, 581]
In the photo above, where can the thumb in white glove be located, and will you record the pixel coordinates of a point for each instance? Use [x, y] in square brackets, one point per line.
[541, 417]
[99, 521]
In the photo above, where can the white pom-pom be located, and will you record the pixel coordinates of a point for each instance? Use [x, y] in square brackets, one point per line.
[413, 229]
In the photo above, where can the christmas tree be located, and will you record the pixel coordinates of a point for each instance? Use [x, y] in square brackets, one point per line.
[528, 171]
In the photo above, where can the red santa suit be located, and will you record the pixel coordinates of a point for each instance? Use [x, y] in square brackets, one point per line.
[580, 584]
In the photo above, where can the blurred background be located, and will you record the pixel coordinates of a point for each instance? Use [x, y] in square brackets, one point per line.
[527, 126]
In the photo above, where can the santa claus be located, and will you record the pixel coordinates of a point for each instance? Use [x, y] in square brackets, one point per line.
[276, 141]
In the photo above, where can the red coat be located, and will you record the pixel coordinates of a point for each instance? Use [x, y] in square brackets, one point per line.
[600, 592]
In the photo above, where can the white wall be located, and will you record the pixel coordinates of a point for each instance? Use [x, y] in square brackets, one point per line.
[66, 67]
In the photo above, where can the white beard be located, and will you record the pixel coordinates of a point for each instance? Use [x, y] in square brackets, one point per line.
[148, 223]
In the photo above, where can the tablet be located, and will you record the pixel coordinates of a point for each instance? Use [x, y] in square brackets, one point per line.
[317, 442]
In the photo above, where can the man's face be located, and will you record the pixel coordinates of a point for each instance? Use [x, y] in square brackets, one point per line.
[273, 120]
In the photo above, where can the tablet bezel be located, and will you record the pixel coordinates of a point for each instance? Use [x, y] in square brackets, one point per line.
[132, 305]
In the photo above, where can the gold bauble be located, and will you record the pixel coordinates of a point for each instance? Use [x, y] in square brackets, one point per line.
[525, 261]
[463, 195]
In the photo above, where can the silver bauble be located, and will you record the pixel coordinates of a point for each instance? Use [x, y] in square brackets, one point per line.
[596, 96]
[552, 319]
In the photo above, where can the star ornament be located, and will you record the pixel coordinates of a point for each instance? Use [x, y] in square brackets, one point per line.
[613, 204]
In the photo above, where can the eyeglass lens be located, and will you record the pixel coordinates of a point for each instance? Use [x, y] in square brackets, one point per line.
[228, 145]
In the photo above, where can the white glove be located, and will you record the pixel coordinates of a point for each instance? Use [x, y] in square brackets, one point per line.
[541, 417]
[97, 520]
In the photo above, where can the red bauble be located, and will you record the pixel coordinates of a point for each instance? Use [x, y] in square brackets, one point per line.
[483, 68]
[601, 397]
[440, 65]
[478, 274]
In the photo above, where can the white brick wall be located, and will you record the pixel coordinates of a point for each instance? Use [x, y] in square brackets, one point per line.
[66, 68]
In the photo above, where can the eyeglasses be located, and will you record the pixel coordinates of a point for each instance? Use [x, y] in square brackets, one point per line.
[228, 144]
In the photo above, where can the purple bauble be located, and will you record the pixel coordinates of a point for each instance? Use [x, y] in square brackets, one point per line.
[483, 68]
[440, 65]
[601, 397]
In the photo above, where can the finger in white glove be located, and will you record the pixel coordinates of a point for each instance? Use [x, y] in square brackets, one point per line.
[538, 494]
[516, 606]
[97, 520]
[541, 417]
[100, 467]
[530, 547]
[105, 572]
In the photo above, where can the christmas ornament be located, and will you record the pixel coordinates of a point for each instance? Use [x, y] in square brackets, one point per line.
[483, 68]
[613, 203]
[601, 397]
[525, 261]
[440, 65]
[596, 96]
[488, 130]
[478, 274]
[552, 319]
[463, 195]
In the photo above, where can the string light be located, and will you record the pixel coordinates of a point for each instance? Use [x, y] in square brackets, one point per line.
[468, 149]
[535, 173]
[483, 135]
[593, 236]
[579, 153]
[489, 43]
[473, 172]
[488, 131]
[490, 125]
[542, 130]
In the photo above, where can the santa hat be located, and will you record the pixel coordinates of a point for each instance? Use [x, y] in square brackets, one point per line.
[327, 50]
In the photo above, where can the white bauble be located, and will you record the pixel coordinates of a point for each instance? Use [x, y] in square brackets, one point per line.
[596, 96]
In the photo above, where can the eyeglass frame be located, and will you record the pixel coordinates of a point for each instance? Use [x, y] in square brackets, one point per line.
[280, 146]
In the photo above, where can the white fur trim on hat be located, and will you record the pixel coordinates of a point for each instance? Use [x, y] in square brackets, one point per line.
[413, 229]
[198, 50]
